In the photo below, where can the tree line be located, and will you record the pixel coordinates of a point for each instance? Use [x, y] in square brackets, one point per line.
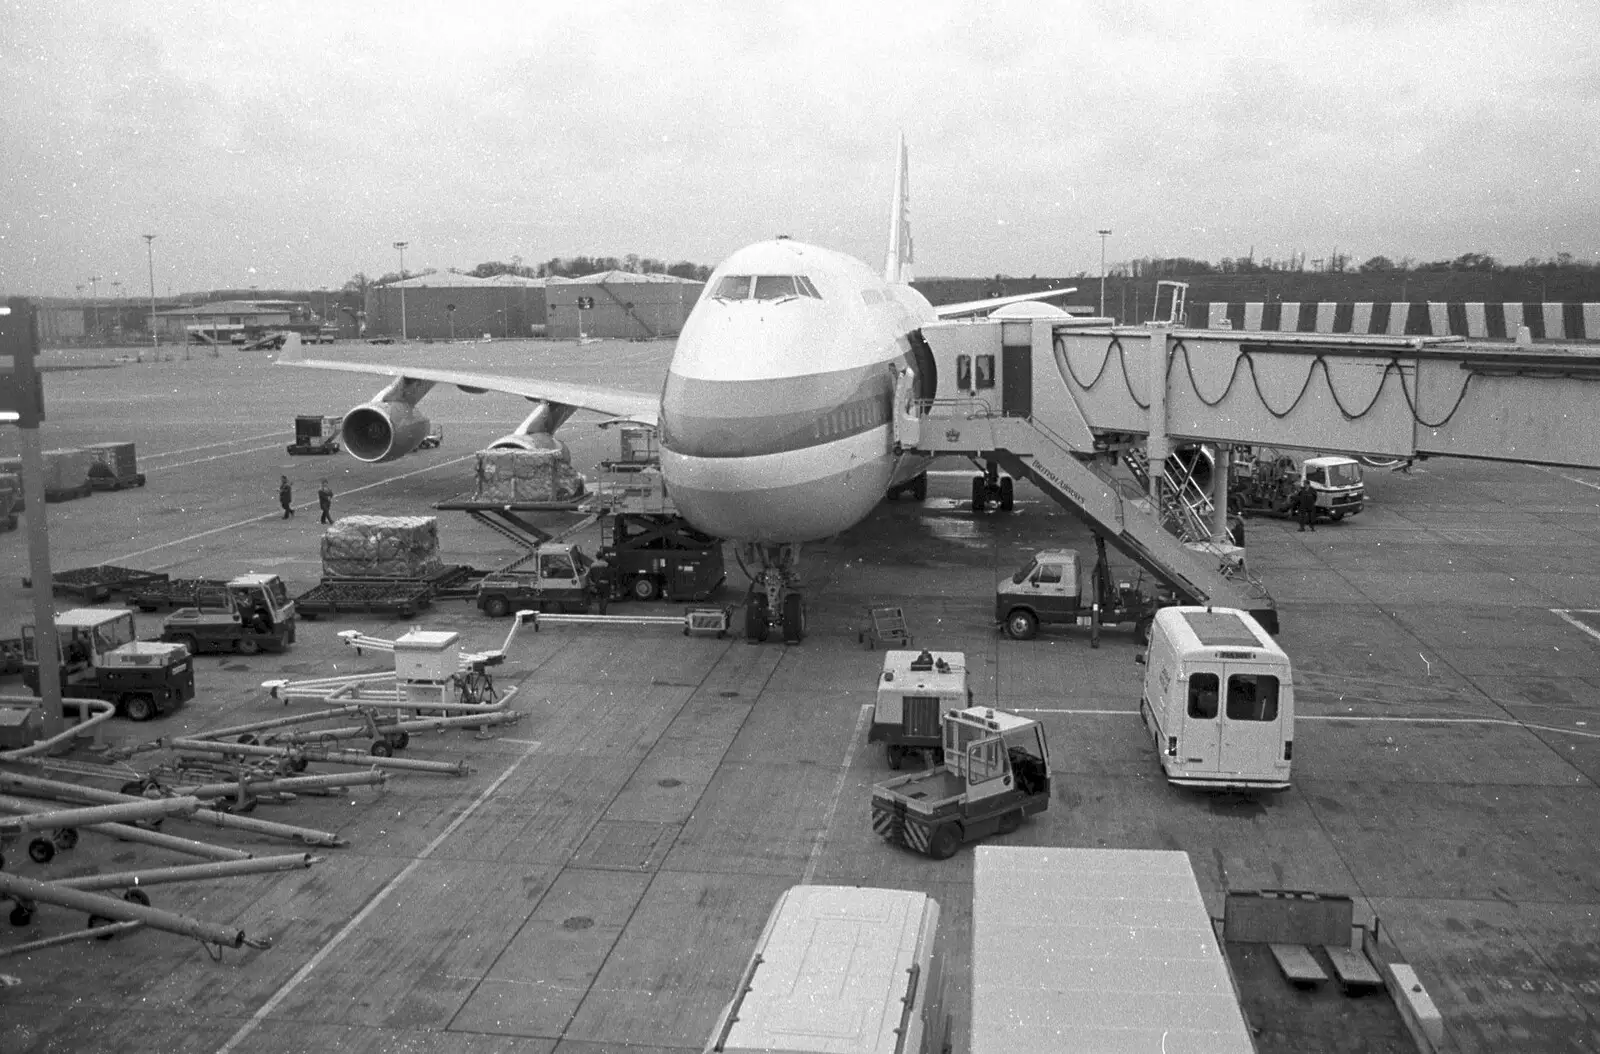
[1339, 263]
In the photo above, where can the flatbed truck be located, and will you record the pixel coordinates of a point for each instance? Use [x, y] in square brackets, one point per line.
[1050, 589]
[250, 613]
[559, 579]
[996, 773]
[101, 659]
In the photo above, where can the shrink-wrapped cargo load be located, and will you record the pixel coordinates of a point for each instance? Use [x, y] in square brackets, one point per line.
[66, 469]
[381, 547]
[514, 476]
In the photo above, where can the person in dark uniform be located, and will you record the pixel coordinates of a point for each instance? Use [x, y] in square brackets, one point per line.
[325, 499]
[601, 580]
[285, 496]
[1305, 507]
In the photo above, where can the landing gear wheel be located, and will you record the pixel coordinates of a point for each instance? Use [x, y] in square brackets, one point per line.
[496, 606]
[980, 493]
[138, 707]
[381, 749]
[919, 487]
[21, 915]
[1010, 821]
[1022, 625]
[794, 618]
[137, 896]
[248, 646]
[1007, 494]
[755, 618]
[644, 588]
[400, 740]
[944, 841]
[67, 838]
[41, 850]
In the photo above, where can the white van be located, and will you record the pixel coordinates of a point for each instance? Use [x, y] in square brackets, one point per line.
[1218, 700]
[842, 970]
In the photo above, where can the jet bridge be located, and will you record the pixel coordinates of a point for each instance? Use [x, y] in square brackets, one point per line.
[1053, 400]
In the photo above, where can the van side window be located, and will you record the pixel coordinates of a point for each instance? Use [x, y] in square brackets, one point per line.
[1049, 572]
[1252, 697]
[964, 372]
[1203, 689]
[985, 371]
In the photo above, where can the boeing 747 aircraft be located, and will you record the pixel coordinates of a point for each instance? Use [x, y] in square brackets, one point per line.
[778, 416]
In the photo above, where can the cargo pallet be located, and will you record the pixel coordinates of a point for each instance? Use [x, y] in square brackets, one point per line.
[174, 593]
[100, 582]
[82, 490]
[395, 597]
[115, 482]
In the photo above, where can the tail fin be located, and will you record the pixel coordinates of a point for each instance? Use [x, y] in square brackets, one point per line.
[897, 265]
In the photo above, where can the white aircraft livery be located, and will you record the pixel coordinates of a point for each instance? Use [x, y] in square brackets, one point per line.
[776, 424]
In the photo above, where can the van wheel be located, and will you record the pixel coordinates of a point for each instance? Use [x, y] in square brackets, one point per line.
[496, 606]
[1022, 625]
[138, 707]
[946, 839]
[1141, 631]
[1010, 821]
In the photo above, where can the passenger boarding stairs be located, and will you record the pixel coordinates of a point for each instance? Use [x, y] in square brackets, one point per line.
[1185, 506]
[1027, 448]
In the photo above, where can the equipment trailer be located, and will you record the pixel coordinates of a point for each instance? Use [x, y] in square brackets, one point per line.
[316, 435]
[996, 772]
[100, 582]
[394, 597]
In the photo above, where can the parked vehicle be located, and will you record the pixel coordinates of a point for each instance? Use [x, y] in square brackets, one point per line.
[101, 659]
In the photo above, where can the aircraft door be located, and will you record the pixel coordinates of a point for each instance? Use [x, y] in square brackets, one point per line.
[1252, 735]
[988, 769]
[1200, 741]
[1016, 380]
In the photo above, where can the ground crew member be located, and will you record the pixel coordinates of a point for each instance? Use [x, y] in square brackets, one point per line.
[602, 582]
[325, 499]
[1305, 507]
[285, 496]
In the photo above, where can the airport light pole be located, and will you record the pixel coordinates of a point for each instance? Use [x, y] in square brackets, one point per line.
[1104, 232]
[94, 304]
[150, 258]
[402, 247]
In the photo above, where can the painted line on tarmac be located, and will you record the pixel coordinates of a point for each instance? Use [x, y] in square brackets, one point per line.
[838, 791]
[1569, 479]
[372, 905]
[1565, 615]
[226, 442]
[219, 457]
[275, 515]
[1352, 718]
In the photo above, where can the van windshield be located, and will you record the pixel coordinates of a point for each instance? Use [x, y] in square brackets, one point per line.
[1346, 475]
[1024, 571]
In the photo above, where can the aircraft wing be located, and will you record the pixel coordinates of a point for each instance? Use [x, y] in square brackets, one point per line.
[640, 407]
[973, 307]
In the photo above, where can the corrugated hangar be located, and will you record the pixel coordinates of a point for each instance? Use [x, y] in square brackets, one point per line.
[447, 306]
[619, 304]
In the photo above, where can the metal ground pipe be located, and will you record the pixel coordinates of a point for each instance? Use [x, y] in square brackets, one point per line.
[336, 757]
[102, 713]
[116, 909]
[286, 784]
[93, 814]
[426, 724]
[127, 833]
[41, 787]
[95, 934]
[156, 876]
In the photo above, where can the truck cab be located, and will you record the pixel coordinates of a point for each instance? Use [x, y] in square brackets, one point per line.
[101, 659]
[1266, 482]
[557, 580]
[1337, 480]
[250, 613]
[996, 772]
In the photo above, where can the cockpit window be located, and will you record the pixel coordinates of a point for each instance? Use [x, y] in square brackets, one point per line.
[764, 287]
[733, 287]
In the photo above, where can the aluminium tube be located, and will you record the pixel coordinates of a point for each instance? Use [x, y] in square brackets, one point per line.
[128, 833]
[286, 784]
[156, 876]
[119, 910]
[336, 757]
[74, 792]
[95, 814]
[98, 933]
[102, 712]
[425, 724]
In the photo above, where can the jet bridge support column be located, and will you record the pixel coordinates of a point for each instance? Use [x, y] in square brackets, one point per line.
[1221, 473]
[1156, 446]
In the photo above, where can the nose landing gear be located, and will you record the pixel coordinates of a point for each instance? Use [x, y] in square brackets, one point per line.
[775, 600]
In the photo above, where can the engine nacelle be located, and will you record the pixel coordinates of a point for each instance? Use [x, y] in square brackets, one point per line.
[527, 441]
[1192, 461]
[383, 431]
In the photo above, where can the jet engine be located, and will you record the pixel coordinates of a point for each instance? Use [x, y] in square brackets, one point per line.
[1192, 461]
[383, 431]
[527, 441]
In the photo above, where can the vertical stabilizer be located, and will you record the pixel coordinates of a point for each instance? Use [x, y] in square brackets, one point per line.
[897, 266]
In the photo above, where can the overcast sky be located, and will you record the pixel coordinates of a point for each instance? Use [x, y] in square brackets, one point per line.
[279, 143]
